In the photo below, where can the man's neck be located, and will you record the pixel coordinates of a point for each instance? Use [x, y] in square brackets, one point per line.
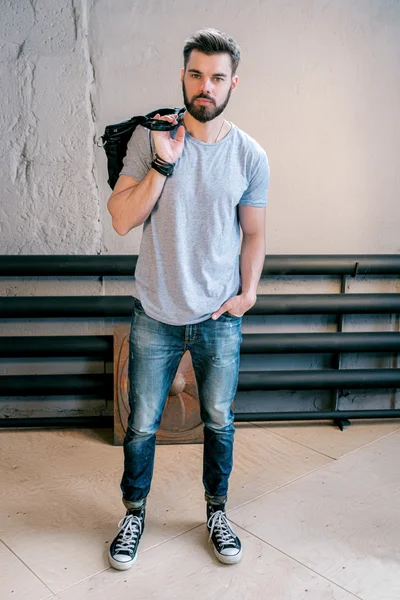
[209, 132]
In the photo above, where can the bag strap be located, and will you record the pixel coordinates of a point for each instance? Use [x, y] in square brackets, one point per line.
[148, 121]
[157, 125]
[153, 124]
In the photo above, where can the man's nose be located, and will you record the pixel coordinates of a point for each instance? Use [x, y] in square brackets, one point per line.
[206, 86]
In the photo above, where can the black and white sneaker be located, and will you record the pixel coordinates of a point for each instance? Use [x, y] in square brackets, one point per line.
[227, 546]
[123, 550]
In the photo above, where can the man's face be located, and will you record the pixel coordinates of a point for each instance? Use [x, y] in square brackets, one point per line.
[207, 84]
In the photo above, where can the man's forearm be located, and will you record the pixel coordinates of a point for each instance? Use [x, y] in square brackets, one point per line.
[251, 263]
[131, 207]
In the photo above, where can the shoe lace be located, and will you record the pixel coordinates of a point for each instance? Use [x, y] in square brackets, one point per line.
[219, 524]
[130, 529]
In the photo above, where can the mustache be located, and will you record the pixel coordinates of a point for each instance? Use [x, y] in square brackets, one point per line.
[203, 97]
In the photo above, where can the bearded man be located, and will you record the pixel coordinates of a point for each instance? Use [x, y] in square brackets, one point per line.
[194, 188]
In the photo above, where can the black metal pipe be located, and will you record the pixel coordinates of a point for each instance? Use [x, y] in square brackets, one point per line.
[90, 346]
[334, 264]
[317, 415]
[278, 343]
[124, 265]
[46, 307]
[319, 379]
[94, 422]
[306, 304]
[68, 266]
[253, 343]
[121, 306]
[108, 422]
[57, 385]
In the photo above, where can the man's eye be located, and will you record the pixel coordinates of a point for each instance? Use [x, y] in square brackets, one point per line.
[195, 76]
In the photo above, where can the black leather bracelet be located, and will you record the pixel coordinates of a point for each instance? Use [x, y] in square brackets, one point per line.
[163, 169]
[162, 166]
[164, 162]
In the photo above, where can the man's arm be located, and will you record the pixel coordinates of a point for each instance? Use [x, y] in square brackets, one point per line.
[132, 202]
[252, 221]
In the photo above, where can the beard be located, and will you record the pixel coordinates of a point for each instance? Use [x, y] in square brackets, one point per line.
[204, 113]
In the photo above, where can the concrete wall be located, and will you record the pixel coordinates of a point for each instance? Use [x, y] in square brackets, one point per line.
[50, 200]
[319, 89]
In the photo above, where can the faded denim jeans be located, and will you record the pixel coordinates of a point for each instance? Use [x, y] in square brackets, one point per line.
[155, 350]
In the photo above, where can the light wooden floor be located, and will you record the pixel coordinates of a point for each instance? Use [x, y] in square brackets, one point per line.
[318, 512]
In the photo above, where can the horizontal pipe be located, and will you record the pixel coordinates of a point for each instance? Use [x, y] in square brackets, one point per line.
[253, 343]
[306, 304]
[57, 385]
[334, 264]
[319, 379]
[47, 307]
[278, 343]
[68, 266]
[316, 379]
[317, 415]
[124, 265]
[121, 306]
[95, 422]
[93, 346]
[108, 422]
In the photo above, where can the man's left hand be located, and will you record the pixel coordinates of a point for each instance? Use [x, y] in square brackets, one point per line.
[237, 306]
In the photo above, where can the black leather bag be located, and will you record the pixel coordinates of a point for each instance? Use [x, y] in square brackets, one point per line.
[116, 137]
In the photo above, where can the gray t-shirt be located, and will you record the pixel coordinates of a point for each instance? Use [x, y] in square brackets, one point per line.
[188, 262]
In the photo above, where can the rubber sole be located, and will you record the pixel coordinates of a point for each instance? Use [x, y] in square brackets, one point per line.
[121, 566]
[228, 560]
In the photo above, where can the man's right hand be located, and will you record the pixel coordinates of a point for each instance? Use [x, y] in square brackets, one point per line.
[166, 147]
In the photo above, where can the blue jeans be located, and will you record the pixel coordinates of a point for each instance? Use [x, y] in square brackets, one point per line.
[155, 350]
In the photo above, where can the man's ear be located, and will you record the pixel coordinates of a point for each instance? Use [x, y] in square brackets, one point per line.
[235, 81]
[182, 74]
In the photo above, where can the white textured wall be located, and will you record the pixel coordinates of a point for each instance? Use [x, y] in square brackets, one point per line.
[319, 89]
[49, 197]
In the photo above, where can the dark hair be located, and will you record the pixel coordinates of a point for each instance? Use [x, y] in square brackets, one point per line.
[211, 41]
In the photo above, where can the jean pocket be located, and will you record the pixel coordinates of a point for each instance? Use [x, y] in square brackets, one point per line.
[137, 304]
[229, 315]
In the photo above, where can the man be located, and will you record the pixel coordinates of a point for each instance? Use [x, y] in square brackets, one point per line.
[192, 188]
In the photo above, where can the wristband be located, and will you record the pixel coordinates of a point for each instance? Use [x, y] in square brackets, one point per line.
[162, 166]
[167, 171]
[161, 160]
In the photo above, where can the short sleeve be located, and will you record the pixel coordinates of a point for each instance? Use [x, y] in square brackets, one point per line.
[137, 162]
[257, 191]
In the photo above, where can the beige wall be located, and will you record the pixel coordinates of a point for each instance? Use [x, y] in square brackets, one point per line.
[319, 89]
